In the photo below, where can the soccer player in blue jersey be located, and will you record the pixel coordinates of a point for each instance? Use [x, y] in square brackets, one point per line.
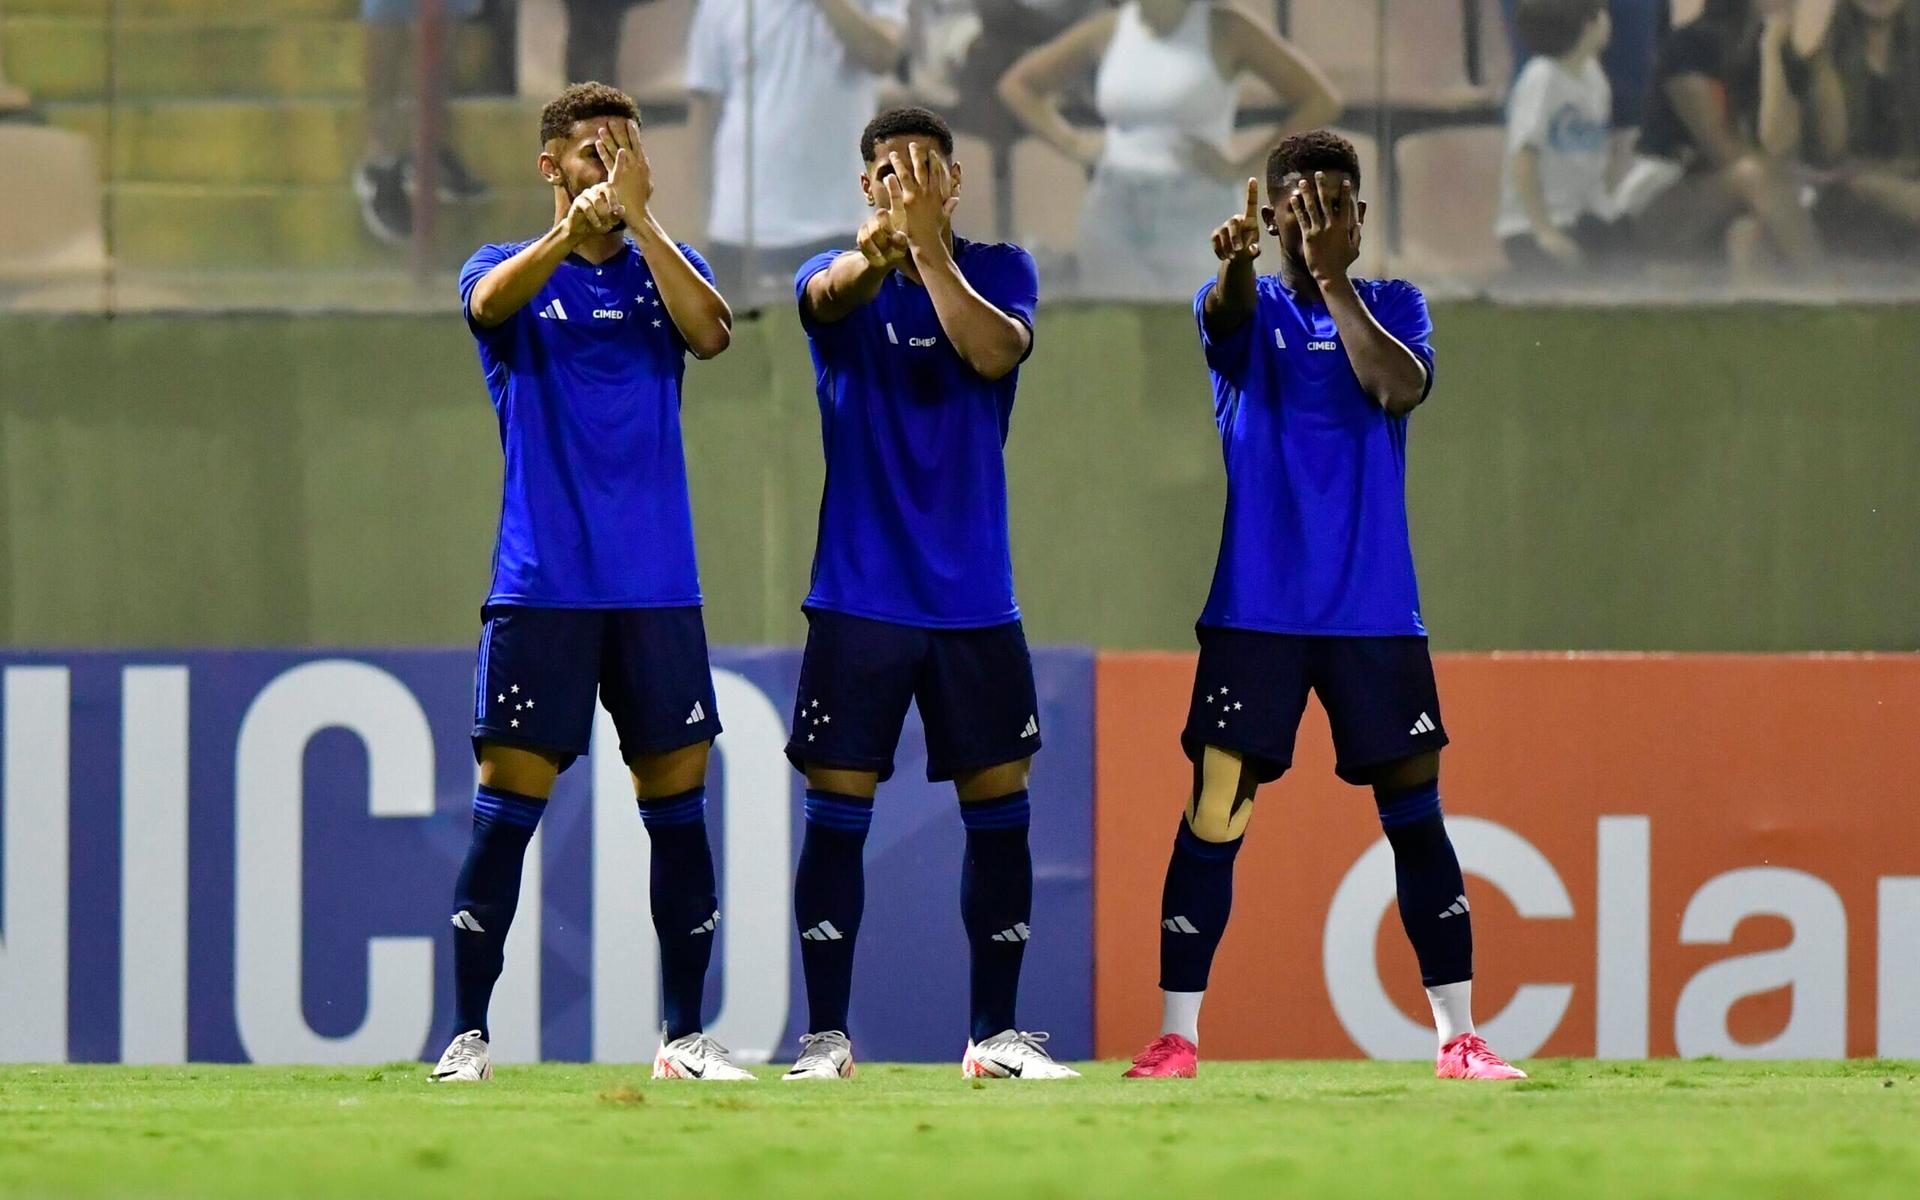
[1314, 376]
[583, 334]
[917, 339]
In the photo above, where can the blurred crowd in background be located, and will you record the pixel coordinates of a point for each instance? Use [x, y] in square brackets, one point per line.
[180, 152]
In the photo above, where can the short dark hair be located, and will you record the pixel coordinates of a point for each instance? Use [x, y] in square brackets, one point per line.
[583, 102]
[1305, 153]
[1553, 27]
[908, 119]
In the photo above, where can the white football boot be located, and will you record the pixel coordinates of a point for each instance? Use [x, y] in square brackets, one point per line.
[466, 1061]
[1013, 1055]
[696, 1056]
[826, 1055]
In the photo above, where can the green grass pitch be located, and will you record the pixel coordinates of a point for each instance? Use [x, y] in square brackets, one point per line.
[1680, 1129]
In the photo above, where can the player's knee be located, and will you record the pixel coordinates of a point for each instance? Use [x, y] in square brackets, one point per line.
[1406, 804]
[993, 783]
[670, 772]
[517, 769]
[1222, 804]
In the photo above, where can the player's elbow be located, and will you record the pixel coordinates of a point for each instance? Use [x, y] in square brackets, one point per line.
[711, 342]
[487, 314]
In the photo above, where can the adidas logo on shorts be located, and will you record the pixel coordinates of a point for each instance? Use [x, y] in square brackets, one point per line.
[823, 932]
[1423, 725]
[1019, 933]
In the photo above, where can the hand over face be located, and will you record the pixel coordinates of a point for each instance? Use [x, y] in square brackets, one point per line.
[920, 195]
[1329, 220]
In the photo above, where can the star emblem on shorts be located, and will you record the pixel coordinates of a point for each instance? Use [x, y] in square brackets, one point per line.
[809, 737]
[515, 689]
[656, 324]
[501, 697]
[1236, 705]
[1223, 724]
[514, 724]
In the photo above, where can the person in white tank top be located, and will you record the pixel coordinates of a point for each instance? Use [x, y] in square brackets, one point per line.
[1166, 161]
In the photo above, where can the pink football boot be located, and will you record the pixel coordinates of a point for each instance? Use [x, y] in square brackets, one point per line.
[1170, 1056]
[1469, 1057]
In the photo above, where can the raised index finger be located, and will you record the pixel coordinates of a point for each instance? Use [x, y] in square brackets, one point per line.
[1253, 200]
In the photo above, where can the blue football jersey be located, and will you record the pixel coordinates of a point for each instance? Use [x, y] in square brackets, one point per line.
[586, 382]
[913, 526]
[1315, 539]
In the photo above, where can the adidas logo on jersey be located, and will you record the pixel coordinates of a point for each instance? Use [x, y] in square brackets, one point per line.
[698, 714]
[1032, 729]
[1423, 725]
[707, 926]
[1457, 909]
[823, 932]
[1178, 925]
[554, 311]
[1019, 933]
[464, 920]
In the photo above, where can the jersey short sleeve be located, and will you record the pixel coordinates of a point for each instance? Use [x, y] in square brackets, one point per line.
[707, 58]
[1527, 115]
[1228, 355]
[804, 276]
[477, 267]
[1008, 280]
[1401, 310]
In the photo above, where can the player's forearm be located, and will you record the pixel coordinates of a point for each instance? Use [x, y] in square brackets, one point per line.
[1234, 298]
[508, 288]
[848, 283]
[1390, 373]
[696, 308]
[874, 42]
[987, 339]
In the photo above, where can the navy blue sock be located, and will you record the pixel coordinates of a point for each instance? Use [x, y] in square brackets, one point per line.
[485, 897]
[1194, 906]
[829, 895]
[996, 902]
[685, 909]
[1433, 896]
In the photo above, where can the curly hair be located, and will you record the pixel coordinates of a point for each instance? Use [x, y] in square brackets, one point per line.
[1304, 153]
[583, 102]
[906, 120]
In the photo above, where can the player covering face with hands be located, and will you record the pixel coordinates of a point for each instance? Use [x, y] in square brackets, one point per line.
[917, 338]
[582, 334]
[1314, 376]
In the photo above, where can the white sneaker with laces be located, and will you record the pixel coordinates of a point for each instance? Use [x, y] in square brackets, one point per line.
[466, 1061]
[826, 1055]
[696, 1056]
[1014, 1054]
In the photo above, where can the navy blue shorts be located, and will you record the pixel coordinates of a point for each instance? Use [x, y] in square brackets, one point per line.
[1251, 688]
[974, 687]
[540, 669]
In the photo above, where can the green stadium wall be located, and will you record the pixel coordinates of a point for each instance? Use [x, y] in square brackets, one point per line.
[1736, 479]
